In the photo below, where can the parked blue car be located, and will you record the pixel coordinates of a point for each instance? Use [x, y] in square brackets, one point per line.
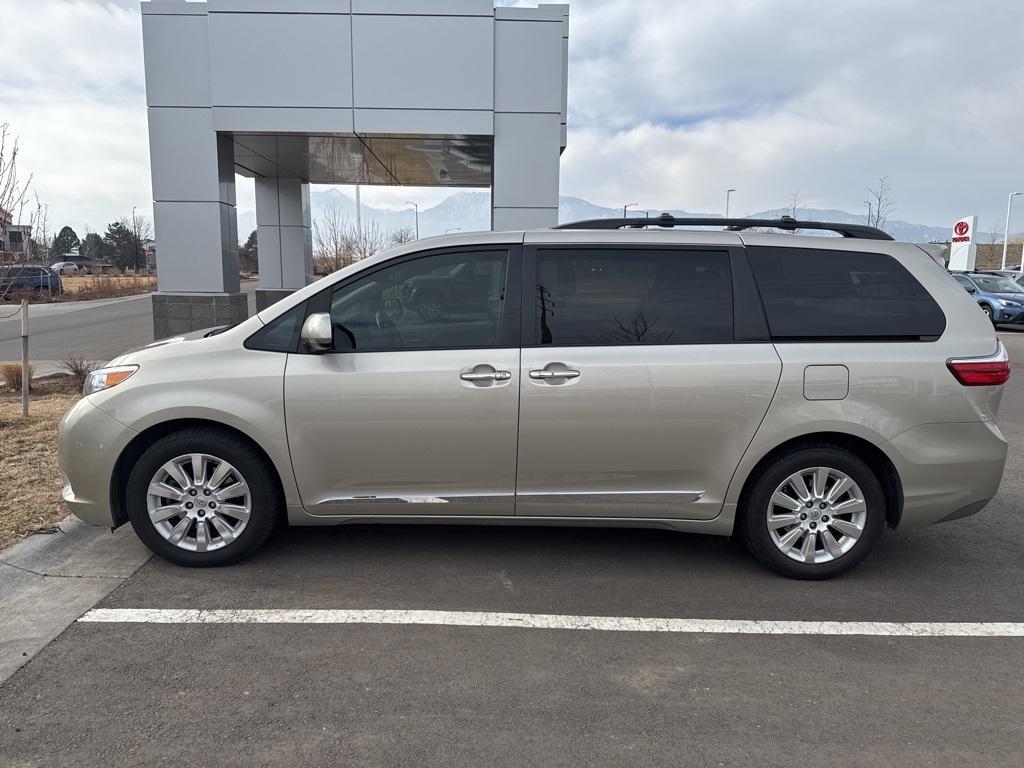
[15, 278]
[999, 297]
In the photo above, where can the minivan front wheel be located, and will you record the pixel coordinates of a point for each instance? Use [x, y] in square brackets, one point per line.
[202, 497]
[814, 514]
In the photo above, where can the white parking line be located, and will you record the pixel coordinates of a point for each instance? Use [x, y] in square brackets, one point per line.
[554, 621]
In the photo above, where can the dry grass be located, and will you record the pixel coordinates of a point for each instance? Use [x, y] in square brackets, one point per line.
[106, 286]
[10, 375]
[29, 479]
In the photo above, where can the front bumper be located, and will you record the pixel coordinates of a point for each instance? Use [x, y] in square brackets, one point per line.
[1008, 315]
[948, 471]
[89, 443]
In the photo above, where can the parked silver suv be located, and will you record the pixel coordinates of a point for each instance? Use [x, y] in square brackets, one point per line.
[800, 392]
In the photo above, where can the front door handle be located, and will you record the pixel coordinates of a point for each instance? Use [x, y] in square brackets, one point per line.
[546, 374]
[487, 376]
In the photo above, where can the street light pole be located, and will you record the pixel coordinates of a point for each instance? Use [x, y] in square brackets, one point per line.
[727, 193]
[626, 207]
[414, 205]
[1006, 232]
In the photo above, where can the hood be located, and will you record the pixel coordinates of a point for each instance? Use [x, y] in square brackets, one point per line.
[182, 338]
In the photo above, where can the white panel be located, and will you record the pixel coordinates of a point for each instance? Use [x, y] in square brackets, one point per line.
[419, 7]
[267, 203]
[183, 154]
[176, 51]
[290, 206]
[293, 120]
[424, 121]
[524, 218]
[528, 66]
[296, 242]
[195, 248]
[424, 62]
[277, 6]
[173, 8]
[268, 253]
[542, 12]
[281, 60]
[526, 156]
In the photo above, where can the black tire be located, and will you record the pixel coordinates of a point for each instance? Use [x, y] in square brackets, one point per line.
[753, 514]
[267, 504]
[988, 313]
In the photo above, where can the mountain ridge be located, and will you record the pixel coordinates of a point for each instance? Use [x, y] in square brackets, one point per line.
[468, 211]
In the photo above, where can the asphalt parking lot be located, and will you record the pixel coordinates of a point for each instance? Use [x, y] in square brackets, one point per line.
[243, 694]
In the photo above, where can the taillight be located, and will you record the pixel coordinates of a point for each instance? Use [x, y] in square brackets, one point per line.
[982, 371]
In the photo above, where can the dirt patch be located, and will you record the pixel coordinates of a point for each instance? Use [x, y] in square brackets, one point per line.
[106, 286]
[29, 479]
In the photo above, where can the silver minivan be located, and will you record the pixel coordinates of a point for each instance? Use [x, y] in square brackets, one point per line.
[799, 392]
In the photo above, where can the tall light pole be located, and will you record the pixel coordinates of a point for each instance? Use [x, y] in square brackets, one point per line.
[626, 207]
[1006, 232]
[452, 229]
[727, 193]
[417, 217]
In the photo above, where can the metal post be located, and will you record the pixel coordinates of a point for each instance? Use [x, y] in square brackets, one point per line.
[25, 377]
[1006, 232]
[727, 193]
[417, 209]
[359, 215]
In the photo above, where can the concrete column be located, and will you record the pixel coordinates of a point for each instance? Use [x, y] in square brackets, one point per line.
[526, 153]
[194, 222]
[529, 106]
[285, 239]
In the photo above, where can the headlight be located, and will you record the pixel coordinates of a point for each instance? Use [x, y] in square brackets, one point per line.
[1008, 303]
[105, 378]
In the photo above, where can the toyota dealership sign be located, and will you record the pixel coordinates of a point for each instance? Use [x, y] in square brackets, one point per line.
[963, 251]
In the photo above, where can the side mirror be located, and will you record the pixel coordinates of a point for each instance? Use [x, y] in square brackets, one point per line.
[316, 332]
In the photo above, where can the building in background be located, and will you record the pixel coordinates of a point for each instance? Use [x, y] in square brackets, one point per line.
[13, 237]
[298, 92]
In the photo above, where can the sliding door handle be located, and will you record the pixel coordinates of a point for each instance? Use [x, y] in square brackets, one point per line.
[487, 376]
[546, 374]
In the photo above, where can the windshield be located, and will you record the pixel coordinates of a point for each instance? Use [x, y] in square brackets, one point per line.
[994, 284]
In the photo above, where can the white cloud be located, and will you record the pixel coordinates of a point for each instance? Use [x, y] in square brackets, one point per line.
[671, 101]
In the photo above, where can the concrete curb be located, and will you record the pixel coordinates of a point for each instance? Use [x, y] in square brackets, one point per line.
[50, 579]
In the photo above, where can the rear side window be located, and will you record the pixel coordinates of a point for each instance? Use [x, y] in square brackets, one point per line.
[812, 294]
[613, 297]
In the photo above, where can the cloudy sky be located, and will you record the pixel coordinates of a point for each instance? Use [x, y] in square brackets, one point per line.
[671, 102]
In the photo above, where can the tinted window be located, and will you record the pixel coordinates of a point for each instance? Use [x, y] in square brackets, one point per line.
[445, 301]
[826, 294]
[280, 334]
[995, 284]
[622, 296]
[967, 284]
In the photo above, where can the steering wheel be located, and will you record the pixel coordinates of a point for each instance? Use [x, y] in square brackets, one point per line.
[387, 325]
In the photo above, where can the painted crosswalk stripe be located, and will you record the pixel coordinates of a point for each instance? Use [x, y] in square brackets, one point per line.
[553, 621]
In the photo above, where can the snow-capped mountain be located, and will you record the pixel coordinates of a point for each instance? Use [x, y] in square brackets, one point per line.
[468, 211]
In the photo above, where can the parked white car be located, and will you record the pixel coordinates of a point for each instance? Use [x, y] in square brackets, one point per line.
[65, 268]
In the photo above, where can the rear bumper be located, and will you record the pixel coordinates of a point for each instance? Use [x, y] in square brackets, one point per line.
[948, 471]
[89, 443]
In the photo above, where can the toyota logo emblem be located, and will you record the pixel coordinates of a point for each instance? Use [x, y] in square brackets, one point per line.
[961, 228]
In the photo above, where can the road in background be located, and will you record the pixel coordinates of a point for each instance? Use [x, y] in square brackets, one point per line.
[95, 330]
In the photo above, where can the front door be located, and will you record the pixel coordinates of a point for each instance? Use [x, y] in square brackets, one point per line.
[637, 398]
[415, 412]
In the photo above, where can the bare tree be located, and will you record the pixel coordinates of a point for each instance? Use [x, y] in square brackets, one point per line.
[401, 236]
[879, 204]
[13, 190]
[332, 248]
[796, 205]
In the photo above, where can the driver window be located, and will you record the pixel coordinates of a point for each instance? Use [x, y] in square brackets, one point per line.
[446, 301]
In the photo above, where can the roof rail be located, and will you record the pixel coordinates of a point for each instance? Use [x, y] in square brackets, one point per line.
[859, 231]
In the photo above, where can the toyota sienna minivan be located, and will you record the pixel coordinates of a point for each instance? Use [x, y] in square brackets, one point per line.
[799, 392]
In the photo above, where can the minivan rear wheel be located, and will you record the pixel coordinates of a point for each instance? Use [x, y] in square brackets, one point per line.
[813, 514]
[202, 497]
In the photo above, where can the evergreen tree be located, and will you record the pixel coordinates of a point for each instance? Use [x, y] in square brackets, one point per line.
[248, 254]
[65, 242]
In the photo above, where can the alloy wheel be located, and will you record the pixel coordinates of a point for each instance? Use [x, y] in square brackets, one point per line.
[816, 515]
[199, 502]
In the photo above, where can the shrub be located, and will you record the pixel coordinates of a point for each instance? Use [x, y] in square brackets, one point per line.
[78, 367]
[10, 373]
